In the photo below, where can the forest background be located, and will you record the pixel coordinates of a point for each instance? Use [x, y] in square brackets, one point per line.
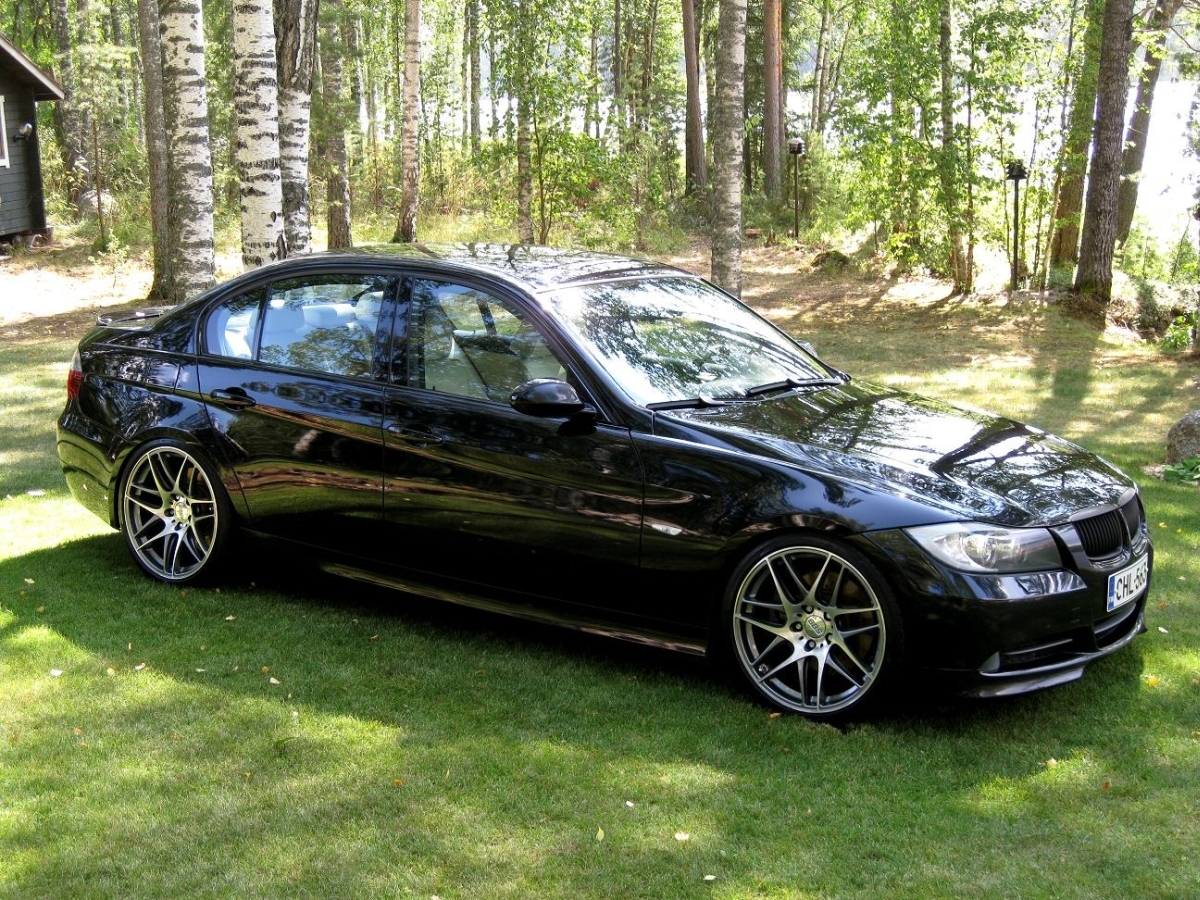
[889, 129]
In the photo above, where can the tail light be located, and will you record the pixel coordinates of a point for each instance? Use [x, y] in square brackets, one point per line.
[74, 378]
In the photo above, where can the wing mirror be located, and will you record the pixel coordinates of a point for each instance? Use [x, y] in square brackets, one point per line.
[547, 398]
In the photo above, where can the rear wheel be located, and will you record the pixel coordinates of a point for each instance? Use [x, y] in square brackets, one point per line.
[812, 627]
[174, 513]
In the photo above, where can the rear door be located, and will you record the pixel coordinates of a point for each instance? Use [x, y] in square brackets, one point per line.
[292, 373]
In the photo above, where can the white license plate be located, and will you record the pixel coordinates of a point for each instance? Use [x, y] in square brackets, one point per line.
[1128, 584]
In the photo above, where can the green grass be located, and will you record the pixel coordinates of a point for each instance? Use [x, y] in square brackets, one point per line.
[417, 750]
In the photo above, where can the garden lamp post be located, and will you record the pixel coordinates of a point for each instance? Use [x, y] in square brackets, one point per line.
[1015, 172]
[797, 150]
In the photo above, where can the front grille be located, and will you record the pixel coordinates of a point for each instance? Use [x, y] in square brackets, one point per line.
[1103, 535]
[1132, 513]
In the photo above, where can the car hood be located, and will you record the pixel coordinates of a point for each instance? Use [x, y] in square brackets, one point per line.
[964, 464]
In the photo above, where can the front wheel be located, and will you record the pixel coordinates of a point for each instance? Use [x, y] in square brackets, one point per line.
[812, 627]
[175, 515]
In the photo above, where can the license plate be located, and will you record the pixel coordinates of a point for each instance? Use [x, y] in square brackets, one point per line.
[1128, 584]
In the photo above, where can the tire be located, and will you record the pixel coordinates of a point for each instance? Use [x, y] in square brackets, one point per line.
[175, 514]
[812, 627]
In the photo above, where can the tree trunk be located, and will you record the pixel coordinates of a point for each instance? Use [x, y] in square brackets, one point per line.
[524, 170]
[189, 182]
[156, 145]
[696, 167]
[337, 117]
[476, 81]
[1064, 244]
[295, 48]
[772, 131]
[1093, 280]
[67, 120]
[729, 125]
[406, 226]
[949, 168]
[256, 104]
[1139, 122]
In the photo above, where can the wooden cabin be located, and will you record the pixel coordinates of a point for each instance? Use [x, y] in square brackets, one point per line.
[22, 86]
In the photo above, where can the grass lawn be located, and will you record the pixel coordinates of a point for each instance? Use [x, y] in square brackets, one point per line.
[295, 738]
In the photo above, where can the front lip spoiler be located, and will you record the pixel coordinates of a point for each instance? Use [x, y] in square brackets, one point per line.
[1013, 683]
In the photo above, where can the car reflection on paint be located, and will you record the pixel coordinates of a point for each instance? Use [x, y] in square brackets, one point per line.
[607, 444]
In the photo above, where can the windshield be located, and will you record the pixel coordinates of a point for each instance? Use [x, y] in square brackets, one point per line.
[675, 339]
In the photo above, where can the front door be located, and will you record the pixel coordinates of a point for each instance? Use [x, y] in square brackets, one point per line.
[491, 497]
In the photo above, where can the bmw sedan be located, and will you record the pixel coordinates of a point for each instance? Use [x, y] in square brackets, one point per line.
[612, 445]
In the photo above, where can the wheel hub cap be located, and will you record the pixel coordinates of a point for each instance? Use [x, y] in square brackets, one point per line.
[181, 510]
[815, 626]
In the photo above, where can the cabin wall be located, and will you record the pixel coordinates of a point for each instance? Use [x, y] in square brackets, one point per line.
[22, 205]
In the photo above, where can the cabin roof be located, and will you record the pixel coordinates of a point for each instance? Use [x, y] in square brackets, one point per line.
[18, 64]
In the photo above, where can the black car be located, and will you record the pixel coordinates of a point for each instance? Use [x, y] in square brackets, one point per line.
[608, 444]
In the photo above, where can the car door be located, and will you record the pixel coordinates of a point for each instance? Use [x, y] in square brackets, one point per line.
[292, 374]
[482, 494]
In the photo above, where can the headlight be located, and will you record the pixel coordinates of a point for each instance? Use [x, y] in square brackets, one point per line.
[973, 547]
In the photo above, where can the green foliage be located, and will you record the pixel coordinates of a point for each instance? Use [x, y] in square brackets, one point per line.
[1187, 471]
[1180, 334]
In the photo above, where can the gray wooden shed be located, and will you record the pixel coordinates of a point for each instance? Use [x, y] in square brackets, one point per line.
[22, 86]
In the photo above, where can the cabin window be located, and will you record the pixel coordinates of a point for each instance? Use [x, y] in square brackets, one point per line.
[3, 136]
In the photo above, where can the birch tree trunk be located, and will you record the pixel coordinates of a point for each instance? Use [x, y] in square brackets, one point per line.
[256, 105]
[189, 180]
[337, 115]
[156, 145]
[1093, 279]
[729, 127]
[948, 165]
[67, 120]
[406, 226]
[772, 132]
[476, 80]
[295, 49]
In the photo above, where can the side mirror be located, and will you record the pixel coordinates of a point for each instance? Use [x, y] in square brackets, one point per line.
[547, 398]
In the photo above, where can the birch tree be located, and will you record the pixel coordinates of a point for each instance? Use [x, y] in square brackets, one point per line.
[295, 49]
[256, 103]
[406, 226]
[729, 128]
[190, 174]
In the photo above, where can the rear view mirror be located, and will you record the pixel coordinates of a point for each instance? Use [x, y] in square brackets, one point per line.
[547, 398]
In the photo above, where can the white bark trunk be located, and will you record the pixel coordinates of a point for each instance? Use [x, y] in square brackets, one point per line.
[185, 99]
[729, 130]
[257, 152]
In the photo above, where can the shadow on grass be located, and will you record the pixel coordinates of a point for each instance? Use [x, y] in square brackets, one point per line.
[411, 747]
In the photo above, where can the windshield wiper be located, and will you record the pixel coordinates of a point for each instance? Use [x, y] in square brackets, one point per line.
[700, 402]
[790, 384]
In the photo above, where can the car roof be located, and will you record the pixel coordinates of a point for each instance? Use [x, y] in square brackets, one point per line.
[536, 269]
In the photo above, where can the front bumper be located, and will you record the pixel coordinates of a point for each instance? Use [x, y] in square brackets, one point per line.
[992, 635]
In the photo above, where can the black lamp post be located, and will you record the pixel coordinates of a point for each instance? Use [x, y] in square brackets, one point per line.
[797, 150]
[1015, 172]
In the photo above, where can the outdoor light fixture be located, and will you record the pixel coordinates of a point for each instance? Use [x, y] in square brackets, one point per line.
[1015, 172]
[798, 150]
[24, 132]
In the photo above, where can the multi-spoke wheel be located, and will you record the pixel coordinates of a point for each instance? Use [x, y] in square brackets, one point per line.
[812, 627]
[173, 512]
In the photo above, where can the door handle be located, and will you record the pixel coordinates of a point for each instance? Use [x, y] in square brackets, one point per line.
[421, 435]
[232, 398]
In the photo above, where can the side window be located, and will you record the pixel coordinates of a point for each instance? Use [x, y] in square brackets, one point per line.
[325, 323]
[472, 344]
[233, 326]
